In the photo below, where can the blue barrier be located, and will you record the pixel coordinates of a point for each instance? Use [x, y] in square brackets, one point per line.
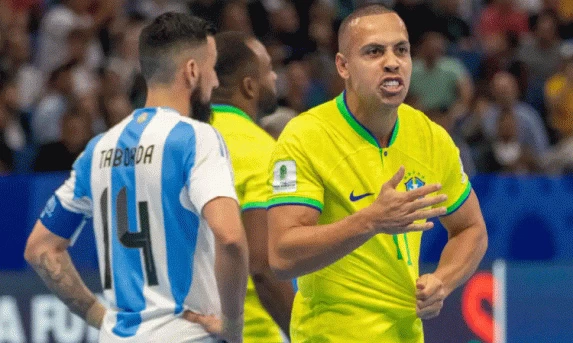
[528, 218]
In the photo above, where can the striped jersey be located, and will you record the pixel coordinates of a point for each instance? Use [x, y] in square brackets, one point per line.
[144, 182]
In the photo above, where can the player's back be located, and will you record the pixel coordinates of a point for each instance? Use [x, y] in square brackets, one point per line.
[156, 254]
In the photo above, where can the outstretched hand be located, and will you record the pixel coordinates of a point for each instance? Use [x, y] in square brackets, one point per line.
[395, 212]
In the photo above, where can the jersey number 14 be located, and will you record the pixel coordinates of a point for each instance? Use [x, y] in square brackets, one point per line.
[130, 240]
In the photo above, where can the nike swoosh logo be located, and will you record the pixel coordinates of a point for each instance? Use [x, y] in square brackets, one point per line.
[354, 198]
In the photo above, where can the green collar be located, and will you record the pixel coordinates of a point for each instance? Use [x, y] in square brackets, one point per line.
[230, 109]
[360, 129]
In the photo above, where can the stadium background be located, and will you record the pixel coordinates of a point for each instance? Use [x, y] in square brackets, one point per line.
[68, 70]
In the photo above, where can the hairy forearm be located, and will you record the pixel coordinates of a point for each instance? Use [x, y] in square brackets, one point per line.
[461, 257]
[59, 274]
[276, 296]
[305, 249]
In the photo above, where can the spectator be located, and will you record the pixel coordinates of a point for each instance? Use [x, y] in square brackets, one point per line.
[55, 28]
[235, 17]
[452, 25]
[511, 154]
[540, 56]
[530, 131]
[29, 80]
[559, 96]
[418, 17]
[60, 155]
[501, 17]
[46, 119]
[500, 55]
[153, 8]
[116, 108]
[430, 68]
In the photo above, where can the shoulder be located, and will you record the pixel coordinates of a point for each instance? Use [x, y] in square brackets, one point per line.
[312, 121]
[416, 124]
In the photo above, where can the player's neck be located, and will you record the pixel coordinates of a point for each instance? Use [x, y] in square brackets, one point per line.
[159, 96]
[245, 105]
[379, 120]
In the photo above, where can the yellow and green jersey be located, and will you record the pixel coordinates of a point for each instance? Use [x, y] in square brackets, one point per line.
[327, 160]
[250, 148]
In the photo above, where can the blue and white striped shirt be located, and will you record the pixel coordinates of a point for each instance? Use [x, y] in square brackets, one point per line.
[144, 182]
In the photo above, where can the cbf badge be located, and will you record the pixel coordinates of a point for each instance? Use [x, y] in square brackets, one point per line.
[414, 180]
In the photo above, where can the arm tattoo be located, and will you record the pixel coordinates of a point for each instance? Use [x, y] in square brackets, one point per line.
[62, 278]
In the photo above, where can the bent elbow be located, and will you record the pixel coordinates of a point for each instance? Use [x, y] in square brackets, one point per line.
[282, 269]
[32, 252]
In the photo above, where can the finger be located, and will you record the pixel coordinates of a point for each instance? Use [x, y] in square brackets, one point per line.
[193, 317]
[395, 180]
[425, 214]
[430, 312]
[428, 201]
[429, 301]
[423, 191]
[421, 282]
[417, 227]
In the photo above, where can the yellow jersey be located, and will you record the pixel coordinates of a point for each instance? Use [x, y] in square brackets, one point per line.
[250, 148]
[327, 160]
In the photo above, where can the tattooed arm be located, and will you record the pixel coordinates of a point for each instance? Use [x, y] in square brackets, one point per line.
[47, 254]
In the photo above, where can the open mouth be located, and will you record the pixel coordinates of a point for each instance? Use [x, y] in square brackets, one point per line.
[392, 85]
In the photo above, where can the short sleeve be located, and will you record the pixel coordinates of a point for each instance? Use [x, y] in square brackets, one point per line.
[211, 174]
[293, 176]
[254, 188]
[66, 211]
[455, 182]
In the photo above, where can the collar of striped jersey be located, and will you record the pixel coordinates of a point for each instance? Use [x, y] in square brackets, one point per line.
[360, 129]
[230, 109]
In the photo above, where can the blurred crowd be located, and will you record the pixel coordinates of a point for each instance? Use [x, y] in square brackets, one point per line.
[498, 74]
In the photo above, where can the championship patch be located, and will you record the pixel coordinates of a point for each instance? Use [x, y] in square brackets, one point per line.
[284, 177]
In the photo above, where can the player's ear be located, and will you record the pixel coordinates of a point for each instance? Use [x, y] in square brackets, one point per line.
[249, 87]
[191, 73]
[341, 65]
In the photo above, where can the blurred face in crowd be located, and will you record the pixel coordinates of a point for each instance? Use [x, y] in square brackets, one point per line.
[449, 6]
[76, 132]
[546, 28]
[79, 6]
[433, 46]
[18, 46]
[505, 89]
[375, 61]
[267, 78]
[201, 96]
[117, 108]
[235, 17]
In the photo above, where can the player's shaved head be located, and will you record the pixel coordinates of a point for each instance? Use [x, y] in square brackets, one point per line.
[353, 19]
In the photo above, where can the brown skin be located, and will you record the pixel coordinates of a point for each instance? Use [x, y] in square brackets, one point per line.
[375, 48]
[275, 295]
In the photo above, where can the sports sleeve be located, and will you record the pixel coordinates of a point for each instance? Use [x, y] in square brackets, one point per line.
[293, 176]
[66, 211]
[211, 174]
[455, 182]
[254, 187]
